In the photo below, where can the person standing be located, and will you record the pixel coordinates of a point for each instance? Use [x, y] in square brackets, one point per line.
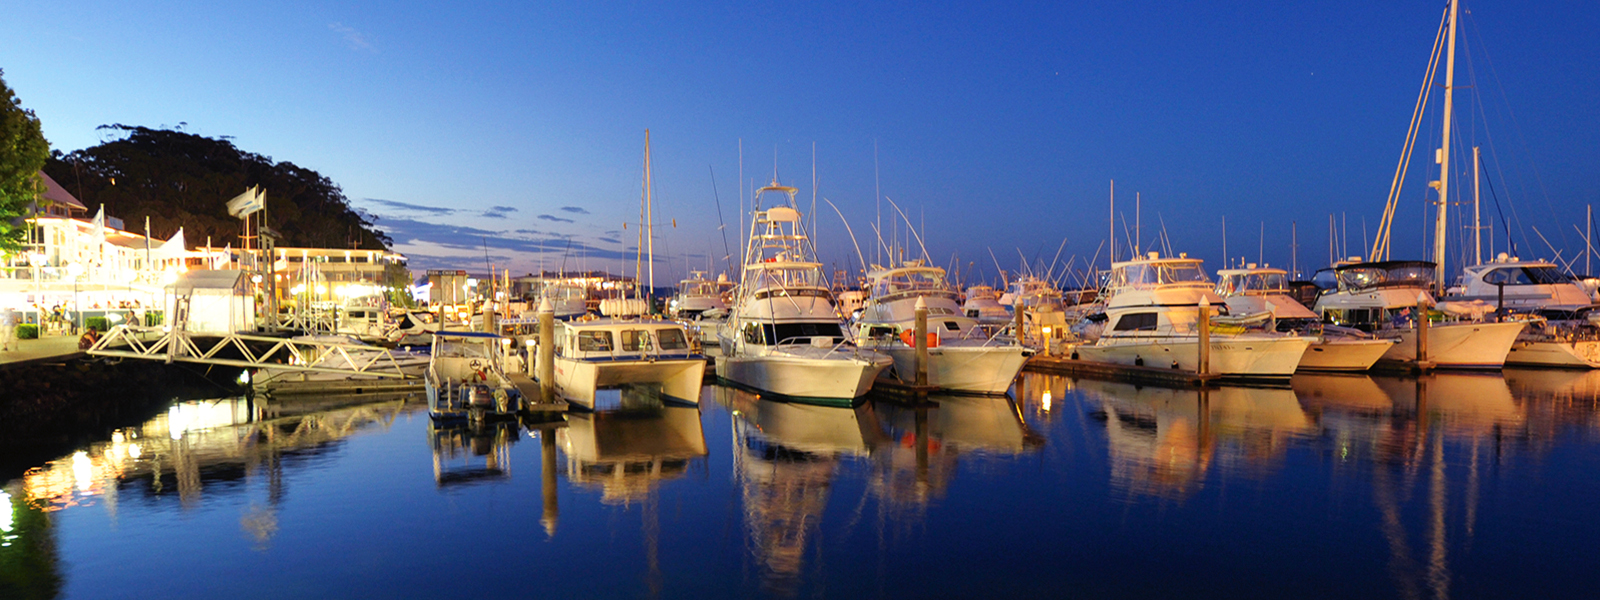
[8, 328]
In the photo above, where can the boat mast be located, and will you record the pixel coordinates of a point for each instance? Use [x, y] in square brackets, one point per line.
[1111, 222]
[1477, 223]
[1443, 184]
[650, 227]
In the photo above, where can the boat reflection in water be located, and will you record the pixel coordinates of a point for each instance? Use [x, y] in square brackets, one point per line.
[786, 456]
[627, 452]
[926, 440]
[1163, 441]
[466, 453]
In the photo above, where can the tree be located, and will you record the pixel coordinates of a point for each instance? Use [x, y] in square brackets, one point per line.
[23, 151]
[179, 179]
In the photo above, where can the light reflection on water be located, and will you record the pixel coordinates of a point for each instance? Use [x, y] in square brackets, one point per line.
[1336, 485]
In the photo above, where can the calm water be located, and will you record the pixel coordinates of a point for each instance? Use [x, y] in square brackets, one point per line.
[1450, 486]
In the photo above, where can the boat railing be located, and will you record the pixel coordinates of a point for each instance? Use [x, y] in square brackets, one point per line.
[805, 341]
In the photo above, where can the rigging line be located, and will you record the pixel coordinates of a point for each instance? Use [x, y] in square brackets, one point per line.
[1567, 267]
[1380, 246]
[881, 245]
[1511, 243]
[997, 266]
[721, 226]
[908, 226]
[1516, 126]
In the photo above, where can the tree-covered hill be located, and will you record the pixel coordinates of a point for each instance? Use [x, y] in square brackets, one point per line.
[179, 179]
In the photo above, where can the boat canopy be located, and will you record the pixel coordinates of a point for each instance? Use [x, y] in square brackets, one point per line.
[1158, 272]
[1243, 282]
[1389, 273]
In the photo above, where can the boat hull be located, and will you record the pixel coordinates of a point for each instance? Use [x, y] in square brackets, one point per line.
[799, 377]
[679, 378]
[1458, 345]
[1353, 354]
[1581, 354]
[976, 369]
[1246, 357]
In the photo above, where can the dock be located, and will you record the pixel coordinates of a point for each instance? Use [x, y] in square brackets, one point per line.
[533, 397]
[1060, 365]
[51, 348]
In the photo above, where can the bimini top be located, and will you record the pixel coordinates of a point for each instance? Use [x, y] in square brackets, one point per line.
[466, 334]
[1388, 273]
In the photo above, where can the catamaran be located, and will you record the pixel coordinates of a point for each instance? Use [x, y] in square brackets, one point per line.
[961, 356]
[1151, 315]
[611, 352]
[785, 335]
[1253, 290]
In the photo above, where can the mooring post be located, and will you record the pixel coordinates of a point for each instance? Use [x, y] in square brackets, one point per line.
[1204, 366]
[488, 318]
[1422, 330]
[921, 311]
[1499, 301]
[547, 350]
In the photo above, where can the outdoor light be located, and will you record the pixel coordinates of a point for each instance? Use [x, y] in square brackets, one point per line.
[255, 279]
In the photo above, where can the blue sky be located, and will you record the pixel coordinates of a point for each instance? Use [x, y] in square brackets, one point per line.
[999, 127]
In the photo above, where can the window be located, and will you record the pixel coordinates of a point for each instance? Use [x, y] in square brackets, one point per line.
[800, 332]
[752, 333]
[635, 340]
[952, 326]
[1136, 322]
[672, 339]
[594, 341]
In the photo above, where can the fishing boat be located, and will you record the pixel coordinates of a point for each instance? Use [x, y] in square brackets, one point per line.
[465, 378]
[1151, 319]
[1382, 298]
[962, 357]
[1252, 290]
[784, 335]
[608, 353]
[697, 294]
[983, 305]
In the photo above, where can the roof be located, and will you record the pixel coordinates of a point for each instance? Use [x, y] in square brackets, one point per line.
[57, 194]
[466, 334]
[1386, 264]
[1260, 270]
[204, 279]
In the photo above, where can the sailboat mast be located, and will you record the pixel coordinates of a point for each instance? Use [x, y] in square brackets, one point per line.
[1439, 232]
[1111, 222]
[650, 226]
[1477, 222]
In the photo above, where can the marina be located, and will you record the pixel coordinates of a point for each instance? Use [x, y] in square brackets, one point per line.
[882, 313]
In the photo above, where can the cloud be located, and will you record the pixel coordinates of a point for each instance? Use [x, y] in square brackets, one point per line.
[355, 39]
[499, 212]
[432, 210]
[612, 240]
[556, 219]
[575, 209]
[439, 246]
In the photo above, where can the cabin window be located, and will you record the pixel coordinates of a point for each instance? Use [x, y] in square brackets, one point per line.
[1365, 319]
[635, 340]
[952, 326]
[752, 333]
[1136, 322]
[800, 332]
[672, 339]
[884, 333]
[594, 341]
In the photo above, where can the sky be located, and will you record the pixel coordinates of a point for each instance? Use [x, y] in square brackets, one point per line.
[517, 129]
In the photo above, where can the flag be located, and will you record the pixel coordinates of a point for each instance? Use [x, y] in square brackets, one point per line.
[244, 204]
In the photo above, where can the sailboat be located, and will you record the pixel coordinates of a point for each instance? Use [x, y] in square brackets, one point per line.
[784, 335]
[1382, 295]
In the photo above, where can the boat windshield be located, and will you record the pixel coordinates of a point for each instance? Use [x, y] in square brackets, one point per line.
[909, 281]
[1540, 275]
[1246, 283]
[756, 279]
[1140, 274]
[565, 291]
[697, 287]
[1411, 275]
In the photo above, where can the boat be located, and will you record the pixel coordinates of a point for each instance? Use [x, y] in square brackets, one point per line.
[570, 299]
[983, 305]
[1382, 298]
[696, 294]
[465, 378]
[593, 355]
[1562, 331]
[784, 335]
[1255, 289]
[1152, 310]
[962, 357]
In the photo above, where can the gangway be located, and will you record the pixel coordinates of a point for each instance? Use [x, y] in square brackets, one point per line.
[240, 350]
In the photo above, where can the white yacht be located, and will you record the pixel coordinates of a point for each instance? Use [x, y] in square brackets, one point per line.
[1031, 293]
[784, 335]
[1564, 331]
[697, 294]
[1151, 313]
[465, 378]
[608, 353]
[1255, 289]
[983, 304]
[1381, 298]
[961, 356]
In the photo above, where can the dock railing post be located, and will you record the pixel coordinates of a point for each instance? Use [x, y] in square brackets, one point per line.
[547, 350]
[1422, 330]
[922, 341]
[1204, 365]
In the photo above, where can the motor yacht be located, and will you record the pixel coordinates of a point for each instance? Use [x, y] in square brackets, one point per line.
[962, 357]
[1253, 289]
[465, 378]
[983, 305]
[1382, 298]
[784, 335]
[1151, 315]
[592, 355]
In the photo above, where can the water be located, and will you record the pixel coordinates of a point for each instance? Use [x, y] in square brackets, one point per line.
[1464, 486]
